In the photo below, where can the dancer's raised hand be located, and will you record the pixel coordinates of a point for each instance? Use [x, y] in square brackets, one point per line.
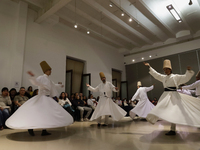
[146, 64]
[30, 73]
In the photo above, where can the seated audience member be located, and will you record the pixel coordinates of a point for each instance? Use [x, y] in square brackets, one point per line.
[65, 103]
[124, 102]
[118, 101]
[85, 99]
[35, 92]
[92, 102]
[80, 106]
[113, 99]
[81, 96]
[30, 91]
[72, 97]
[12, 93]
[21, 98]
[126, 106]
[133, 103]
[5, 109]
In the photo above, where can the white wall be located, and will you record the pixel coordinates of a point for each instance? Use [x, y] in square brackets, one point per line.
[54, 43]
[51, 43]
[12, 42]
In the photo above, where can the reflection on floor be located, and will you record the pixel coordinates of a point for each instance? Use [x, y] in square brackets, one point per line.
[123, 135]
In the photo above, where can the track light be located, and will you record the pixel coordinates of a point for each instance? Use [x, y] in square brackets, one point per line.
[174, 13]
[190, 3]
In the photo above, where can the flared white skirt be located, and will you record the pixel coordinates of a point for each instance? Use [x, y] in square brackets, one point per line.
[141, 109]
[107, 107]
[176, 108]
[39, 112]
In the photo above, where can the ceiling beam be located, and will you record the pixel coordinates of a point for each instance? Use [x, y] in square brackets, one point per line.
[100, 24]
[67, 21]
[147, 12]
[35, 3]
[52, 10]
[108, 14]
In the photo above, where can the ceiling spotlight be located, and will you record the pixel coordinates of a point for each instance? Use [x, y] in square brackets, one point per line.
[111, 5]
[190, 3]
[142, 58]
[75, 26]
[122, 14]
[150, 56]
[130, 19]
[133, 60]
[88, 32]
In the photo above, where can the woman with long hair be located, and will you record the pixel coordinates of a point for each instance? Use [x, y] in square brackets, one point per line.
[65, 103]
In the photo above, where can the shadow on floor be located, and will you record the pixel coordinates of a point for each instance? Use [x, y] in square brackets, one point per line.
[160, 137]
[25, 137]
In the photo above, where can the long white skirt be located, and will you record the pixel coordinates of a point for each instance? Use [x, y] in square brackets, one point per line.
[107, 107]
[176, 108]
[39, 112]
[142, 109]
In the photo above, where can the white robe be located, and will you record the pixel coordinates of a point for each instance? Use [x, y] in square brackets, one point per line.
[40, 111]
[106, 106]
[144, 106]
[195, 85]
[172, 106]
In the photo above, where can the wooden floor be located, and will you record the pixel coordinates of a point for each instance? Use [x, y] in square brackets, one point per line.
[123, 135]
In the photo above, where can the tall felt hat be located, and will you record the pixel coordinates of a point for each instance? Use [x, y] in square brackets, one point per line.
[167, 64]
[45, 67]
[102, 75]
[198, 75]
[139, 83]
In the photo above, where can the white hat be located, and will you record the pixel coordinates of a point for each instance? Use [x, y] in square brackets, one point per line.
[139, 83]
[167, 64]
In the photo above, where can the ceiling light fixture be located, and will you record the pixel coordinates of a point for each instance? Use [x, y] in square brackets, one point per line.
[130, 19]
[150, 56]
[88, 32]
[190, 2]
[142, 58]
[75, 26]
[174, 13]
[133, 60]
[122, 14]
[111, 5]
